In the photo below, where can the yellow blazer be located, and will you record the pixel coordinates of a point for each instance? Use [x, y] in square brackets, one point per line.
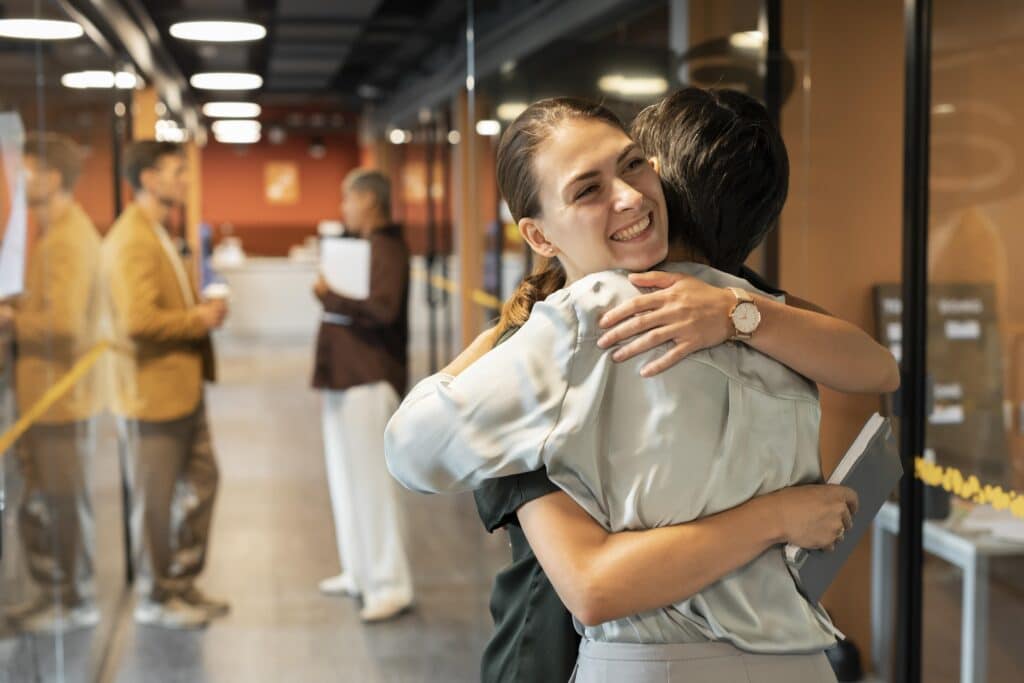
[165, 353]
[56, 318]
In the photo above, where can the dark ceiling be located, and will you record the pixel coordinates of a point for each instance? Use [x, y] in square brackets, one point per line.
[316, 51]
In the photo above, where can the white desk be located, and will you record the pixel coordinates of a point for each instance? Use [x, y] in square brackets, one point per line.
[272, 297]
[970, 552]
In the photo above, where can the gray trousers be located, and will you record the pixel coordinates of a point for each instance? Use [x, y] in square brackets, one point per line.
[694, 663]
[55, 518]
[173, 478]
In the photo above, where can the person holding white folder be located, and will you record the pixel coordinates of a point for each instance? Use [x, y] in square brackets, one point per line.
[361, 369]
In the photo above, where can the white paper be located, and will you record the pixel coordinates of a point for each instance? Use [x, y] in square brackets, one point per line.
[947, 415]
[1001, 524]
[963, 329]
[12, 249]
[345, 264]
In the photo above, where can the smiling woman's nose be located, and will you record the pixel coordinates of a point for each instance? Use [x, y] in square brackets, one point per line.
[626, 197]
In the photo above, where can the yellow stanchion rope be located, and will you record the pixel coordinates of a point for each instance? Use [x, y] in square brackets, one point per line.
[53, 394]
[478, 296]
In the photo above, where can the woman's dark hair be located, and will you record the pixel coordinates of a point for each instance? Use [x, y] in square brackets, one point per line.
[146, 154]
[519, 185]
[723, 167]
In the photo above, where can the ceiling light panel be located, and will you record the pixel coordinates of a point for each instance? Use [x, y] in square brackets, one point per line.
[218, 31]
[231, 110]
[226, 80]
[40, 29]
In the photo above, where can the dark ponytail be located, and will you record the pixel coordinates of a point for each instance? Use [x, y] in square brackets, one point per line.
[517, 180]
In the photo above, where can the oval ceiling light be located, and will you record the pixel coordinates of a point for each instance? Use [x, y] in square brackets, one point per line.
[239, 131]
[508, 111]
[218, 31]
[226, 80]
[488, 127]
[633, 86]
[747, 40]
[231, 110]
[40, 29]
[124, 80]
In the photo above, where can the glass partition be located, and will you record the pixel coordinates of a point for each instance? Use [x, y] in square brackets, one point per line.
[974, 458]
[61, 568]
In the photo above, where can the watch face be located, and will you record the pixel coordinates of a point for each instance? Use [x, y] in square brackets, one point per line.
[746, 318]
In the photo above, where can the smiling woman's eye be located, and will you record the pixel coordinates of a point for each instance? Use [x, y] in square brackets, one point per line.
[635, 163]
[586, 191]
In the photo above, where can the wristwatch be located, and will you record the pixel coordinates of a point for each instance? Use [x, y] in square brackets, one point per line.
[744, 315]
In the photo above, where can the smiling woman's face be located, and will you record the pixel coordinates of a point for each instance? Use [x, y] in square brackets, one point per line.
[601, 202]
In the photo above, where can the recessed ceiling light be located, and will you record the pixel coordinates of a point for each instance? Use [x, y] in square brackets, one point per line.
[40, 29]
[218, 31]
[488, 127]
[633, 86]
[226, 80]
[508, 111]
[237, 131]
[123, 80]
[747, 40]
[454, 137]
[169, 131]
[231, 110]
[399, 137]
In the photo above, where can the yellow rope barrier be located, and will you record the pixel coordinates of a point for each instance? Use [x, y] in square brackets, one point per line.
[478, 296]
[52, 395]
[968, 488]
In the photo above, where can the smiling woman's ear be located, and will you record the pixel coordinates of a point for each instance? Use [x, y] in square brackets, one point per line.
[534, 236]
[657, 166]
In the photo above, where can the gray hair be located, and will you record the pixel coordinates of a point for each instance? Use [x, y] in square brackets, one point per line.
[372, 182]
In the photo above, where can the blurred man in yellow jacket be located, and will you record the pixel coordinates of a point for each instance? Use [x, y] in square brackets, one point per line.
[158, 391]
[55, 325]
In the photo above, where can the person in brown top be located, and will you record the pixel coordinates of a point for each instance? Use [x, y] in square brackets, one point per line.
[158, 391]
[361, 370]
[54, 324]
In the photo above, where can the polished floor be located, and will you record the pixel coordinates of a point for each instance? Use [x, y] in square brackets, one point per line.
[273, 540]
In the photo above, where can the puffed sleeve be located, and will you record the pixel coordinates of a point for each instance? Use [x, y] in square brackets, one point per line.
[452, 433]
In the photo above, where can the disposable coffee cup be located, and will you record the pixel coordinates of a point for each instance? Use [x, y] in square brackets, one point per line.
[217, 291]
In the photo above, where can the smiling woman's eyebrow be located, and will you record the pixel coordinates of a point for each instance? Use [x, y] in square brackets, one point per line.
[592, 174]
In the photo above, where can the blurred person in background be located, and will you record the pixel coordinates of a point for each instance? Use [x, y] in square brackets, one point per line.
[54, 323]
[158, 391]
[361, 370]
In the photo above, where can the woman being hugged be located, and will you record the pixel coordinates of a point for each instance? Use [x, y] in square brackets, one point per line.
[721, 430]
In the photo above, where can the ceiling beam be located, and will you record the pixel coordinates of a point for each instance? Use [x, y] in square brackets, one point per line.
[134, 29]
[517, 33]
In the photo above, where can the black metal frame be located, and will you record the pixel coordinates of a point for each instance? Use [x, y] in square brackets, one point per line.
[770, 21]
[913, 395]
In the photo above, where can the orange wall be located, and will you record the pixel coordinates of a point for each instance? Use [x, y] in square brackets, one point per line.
[841, 229]
[233, 189]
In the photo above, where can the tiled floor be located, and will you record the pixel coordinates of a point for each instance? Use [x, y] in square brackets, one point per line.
[273, 540]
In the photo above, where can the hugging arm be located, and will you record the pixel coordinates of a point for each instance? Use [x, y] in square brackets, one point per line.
[694, 315]
[493, 419]
[601, 576]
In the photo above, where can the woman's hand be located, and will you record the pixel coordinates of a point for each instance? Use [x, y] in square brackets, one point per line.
[686, 311]
[320, 287]
[813, 516]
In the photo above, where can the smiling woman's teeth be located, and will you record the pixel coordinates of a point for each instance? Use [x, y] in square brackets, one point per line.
[631, 232]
